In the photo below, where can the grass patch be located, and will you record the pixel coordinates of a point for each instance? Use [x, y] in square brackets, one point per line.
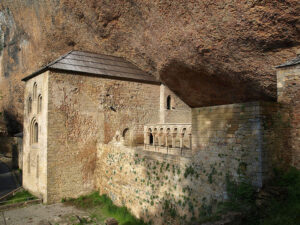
[101, 208]
[21, 196]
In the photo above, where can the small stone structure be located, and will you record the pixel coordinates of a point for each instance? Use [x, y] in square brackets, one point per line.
[97, 122]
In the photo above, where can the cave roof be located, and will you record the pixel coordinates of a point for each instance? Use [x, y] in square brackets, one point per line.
[291, 62]
[80, 62]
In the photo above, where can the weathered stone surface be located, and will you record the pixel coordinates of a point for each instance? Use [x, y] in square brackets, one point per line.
[288, 88]
[208, 52]
[228, 141]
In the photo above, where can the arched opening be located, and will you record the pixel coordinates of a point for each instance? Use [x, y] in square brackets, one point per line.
[126, 136]
[151, 139]
[169, 102]
[185, 139]
[29, 105]
[40, 103]
[34, 132]
[34, 90]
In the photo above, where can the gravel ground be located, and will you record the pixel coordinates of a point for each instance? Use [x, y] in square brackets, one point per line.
[56, 214]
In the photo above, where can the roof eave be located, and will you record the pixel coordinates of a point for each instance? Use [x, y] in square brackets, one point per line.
[150, 81]
[38, 72]
[283, 65]
[45, 68]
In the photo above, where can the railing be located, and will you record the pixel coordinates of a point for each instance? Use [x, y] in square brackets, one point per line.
[166, 138]
[168, 150]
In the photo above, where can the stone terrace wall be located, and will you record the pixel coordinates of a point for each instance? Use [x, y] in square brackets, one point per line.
[288, 86]
[228, 141]
[166, 189]
[84, 110]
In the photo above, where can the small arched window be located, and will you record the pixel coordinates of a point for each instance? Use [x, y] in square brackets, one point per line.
[169, 102]
[40, 103]
[34, 132]
[126, 137]
[34, 90]
[29, 105]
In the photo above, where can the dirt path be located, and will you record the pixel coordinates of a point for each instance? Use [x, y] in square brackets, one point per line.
[56, 214]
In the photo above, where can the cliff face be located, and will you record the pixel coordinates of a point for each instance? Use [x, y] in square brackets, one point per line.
[208, 52]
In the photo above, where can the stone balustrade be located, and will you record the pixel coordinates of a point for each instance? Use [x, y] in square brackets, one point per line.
[168, 138]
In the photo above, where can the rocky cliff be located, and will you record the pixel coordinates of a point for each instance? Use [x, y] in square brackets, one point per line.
[208, 52]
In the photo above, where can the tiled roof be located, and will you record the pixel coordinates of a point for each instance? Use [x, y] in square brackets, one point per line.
[97, 65]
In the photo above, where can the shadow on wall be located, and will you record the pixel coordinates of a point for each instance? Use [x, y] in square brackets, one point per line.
[197, 87]
[12, 124]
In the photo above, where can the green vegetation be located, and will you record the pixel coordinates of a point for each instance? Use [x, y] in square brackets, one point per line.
[21, 196]
[284, 209]
[281, 208]
[101, 208]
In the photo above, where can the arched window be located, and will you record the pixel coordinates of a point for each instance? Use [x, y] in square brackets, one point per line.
[29, 105]
[40, 104]
[34, 132]
[126, 137]
[150, 137]
[34, 90]
[169, 102]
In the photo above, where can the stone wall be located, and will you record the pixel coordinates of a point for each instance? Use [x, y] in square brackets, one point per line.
[35, 154]
[250, 136]
[228, 141]
[166, 189]
[288, 87]
[84, 110]
[179, 112]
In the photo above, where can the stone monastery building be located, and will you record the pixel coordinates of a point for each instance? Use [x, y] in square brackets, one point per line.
[97, 122]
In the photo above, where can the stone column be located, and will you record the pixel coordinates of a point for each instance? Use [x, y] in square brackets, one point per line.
[166, 139]
[174, 140]
[181, 140]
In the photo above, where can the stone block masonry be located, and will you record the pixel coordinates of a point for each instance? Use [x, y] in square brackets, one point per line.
[84, 111]
[288, 88]
[228, 141]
